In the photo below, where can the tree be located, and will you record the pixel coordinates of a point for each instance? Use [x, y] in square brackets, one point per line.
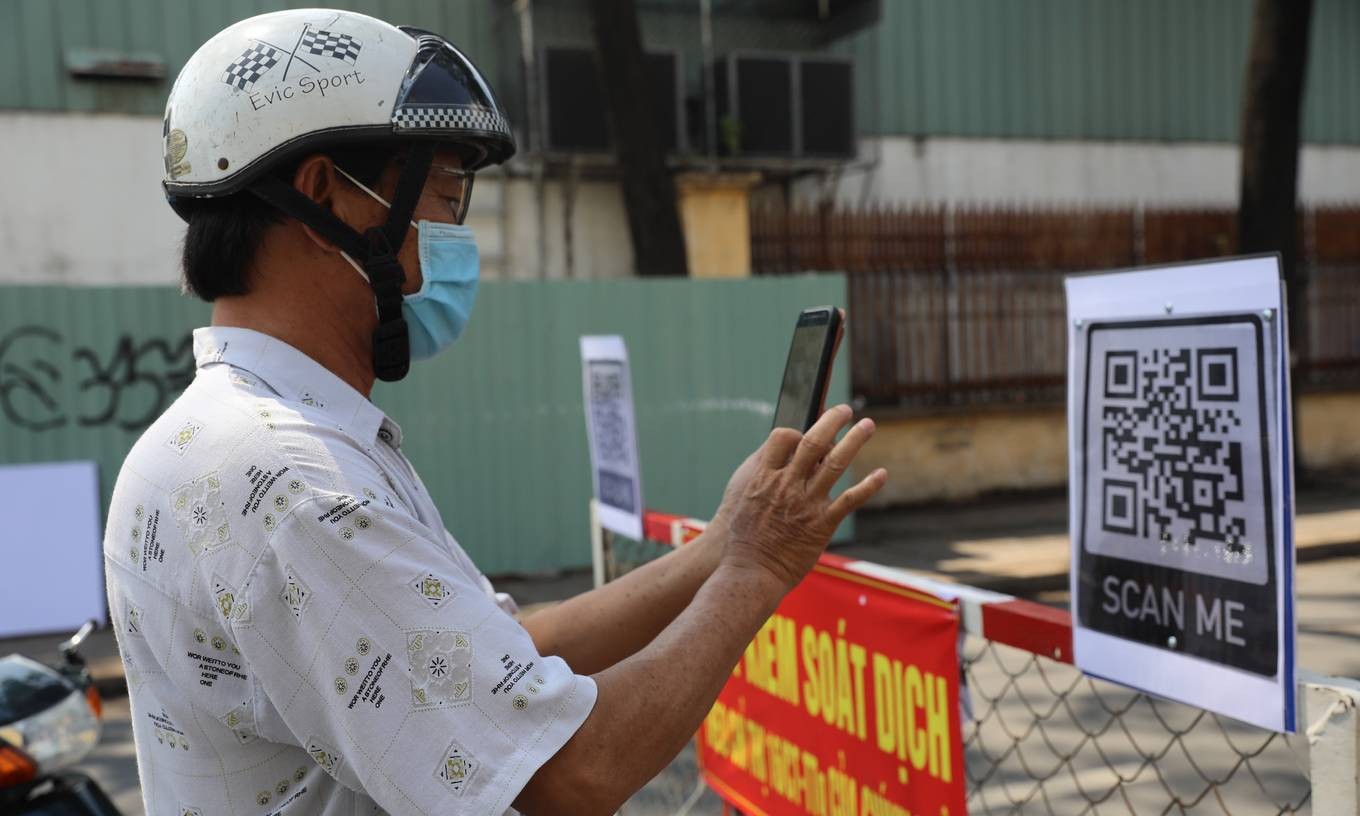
[1271, 108]
[648, 189]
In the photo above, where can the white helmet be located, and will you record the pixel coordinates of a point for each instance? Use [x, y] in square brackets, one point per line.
[281, 85]
[290, 82]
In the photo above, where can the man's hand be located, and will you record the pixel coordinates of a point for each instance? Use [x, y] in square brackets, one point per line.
[776, 518]
[597, 629]
[777, 511]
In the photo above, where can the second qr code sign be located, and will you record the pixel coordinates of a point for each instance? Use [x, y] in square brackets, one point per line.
[611, 431]
[609, 419]
[1176, 535]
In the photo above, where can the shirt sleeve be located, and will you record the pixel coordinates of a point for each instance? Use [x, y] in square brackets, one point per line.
[393, 668]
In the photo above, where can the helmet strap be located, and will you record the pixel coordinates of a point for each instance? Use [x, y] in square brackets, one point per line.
[376, 248]
[391, 340]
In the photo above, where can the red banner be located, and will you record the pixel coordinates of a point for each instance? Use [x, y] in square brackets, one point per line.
[846, 703]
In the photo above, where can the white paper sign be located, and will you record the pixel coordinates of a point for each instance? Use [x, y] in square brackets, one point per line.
[54, 563]
[1181, 501]
[610, 426]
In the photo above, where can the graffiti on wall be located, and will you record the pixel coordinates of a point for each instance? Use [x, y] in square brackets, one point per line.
[47, 383]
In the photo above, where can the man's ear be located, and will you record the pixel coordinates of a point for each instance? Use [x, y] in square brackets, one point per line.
[317, 179]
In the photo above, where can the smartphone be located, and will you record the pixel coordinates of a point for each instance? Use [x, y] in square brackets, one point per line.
[802, 395]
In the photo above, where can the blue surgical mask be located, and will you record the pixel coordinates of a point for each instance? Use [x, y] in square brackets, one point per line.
[436, 314]
[450, 267]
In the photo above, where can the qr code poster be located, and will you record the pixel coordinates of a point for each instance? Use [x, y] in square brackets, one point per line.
[1178, 489]
[611, 429]
[1176, 472]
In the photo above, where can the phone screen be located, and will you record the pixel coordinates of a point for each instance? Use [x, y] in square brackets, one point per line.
[801, 387]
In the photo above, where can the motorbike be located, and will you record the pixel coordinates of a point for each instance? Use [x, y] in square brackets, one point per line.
[49, 721]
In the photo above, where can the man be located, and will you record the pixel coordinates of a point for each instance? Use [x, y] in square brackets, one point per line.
[300, 631]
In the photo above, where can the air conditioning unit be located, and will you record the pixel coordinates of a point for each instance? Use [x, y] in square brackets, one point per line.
[575, 108]
[785, 106]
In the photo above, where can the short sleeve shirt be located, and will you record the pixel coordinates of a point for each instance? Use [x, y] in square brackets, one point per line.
[300, 632]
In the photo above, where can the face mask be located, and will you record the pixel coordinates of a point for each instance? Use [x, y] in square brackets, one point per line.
[449, 266]
[436, 314]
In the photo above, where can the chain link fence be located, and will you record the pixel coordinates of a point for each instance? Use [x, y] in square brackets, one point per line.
[1040, 737]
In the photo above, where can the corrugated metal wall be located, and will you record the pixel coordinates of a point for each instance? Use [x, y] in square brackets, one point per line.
[1080, 69]
[35, 36]
[495, 425]
[1331, 111]
[1088, 69]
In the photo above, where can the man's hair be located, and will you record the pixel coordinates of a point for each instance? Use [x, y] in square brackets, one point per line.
[225, 233]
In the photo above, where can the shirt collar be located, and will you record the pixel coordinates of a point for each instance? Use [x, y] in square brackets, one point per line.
[296, 377]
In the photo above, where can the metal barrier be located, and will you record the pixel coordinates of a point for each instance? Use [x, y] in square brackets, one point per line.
[1041, 737]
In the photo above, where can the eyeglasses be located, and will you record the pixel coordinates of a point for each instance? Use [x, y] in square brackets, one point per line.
[454, 185]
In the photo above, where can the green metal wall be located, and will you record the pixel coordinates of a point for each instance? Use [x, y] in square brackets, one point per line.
[507, 460]
[1088, 69]
[1079, 69]
[35, 35]
[495, 426]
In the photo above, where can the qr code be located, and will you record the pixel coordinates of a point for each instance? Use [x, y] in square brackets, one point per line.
[608, 420]
[1173, 452]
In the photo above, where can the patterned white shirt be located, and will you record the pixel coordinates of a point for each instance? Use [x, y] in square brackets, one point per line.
[300, 632]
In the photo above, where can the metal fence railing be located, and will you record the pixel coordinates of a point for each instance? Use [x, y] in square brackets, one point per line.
[964, 306]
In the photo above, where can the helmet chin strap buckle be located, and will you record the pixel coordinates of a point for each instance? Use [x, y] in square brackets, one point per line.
[391, 350]
[391, 343]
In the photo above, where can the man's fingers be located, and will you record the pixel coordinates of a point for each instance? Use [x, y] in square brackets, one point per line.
[841, 456]
[852, 499]
[779, 447]
[820, 438]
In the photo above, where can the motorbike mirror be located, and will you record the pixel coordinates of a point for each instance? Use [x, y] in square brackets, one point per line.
[68, 647]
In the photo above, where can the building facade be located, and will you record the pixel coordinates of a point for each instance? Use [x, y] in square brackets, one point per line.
[966, 101]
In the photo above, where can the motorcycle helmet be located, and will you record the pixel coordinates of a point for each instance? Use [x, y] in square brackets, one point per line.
[279, 86]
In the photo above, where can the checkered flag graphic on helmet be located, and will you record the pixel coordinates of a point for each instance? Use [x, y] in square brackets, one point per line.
[336, 46]
[251, 65]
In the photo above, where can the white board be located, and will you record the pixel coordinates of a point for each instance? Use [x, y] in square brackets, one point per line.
[1181, 500]
[612, 430]
[53, 577]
